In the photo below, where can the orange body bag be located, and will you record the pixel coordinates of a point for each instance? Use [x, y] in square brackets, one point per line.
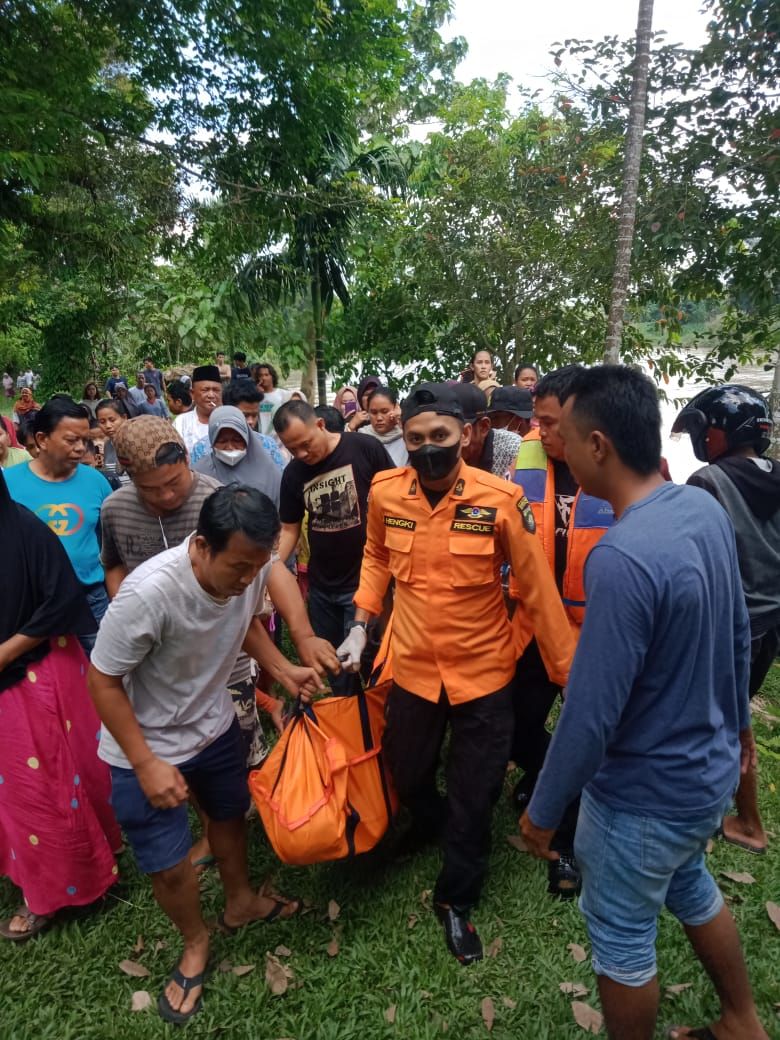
[324, 793]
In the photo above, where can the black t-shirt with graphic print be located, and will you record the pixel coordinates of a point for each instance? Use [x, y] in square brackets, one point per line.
[334, 493]
[566, 488]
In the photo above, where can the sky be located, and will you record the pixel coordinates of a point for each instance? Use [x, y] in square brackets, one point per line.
[514, 36]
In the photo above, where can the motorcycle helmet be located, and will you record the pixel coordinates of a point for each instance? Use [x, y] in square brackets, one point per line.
[739, 412]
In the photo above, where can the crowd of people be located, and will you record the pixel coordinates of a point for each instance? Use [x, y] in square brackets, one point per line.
[512, 545]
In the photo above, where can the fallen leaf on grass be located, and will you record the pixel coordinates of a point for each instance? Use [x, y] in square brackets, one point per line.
[139, 945]
[224, 966]
[709, 847]
[333, 910]
[678, 987]
[577, 952]
[573, 989]
[517, 842]
[509, 1003]
[277, 975]
[412, 920]
[160, 945]
[495, 947]
[390, 1014]
[488, 1010]
[774, 914]
[587, 1017]
[740, 876]
[282, 951]
[140, 1001]
[425, 897]
[332, 947]
[243, 969]
[138, 971]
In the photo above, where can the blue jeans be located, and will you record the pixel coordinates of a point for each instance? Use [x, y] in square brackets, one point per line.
[633, 866]
[330, 613]
[97, 598]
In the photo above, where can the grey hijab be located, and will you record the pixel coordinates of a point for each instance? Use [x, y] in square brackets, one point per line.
[257, 469]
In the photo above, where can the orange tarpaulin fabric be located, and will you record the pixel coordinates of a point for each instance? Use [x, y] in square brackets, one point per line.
[323, 793]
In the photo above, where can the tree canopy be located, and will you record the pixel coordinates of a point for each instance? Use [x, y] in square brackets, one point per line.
[177, 175]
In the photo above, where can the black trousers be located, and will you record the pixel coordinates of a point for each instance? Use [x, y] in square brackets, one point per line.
[533, 697]
[480, 737]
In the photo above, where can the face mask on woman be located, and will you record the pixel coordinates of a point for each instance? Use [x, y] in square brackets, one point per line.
[232, 457]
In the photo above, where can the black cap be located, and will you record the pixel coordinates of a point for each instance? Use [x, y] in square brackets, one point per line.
[473, 401]
[206, 374]
[432, 397]
[513, 399]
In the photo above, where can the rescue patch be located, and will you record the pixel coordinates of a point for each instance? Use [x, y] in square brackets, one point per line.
[472, 527]
[525, 511]
[413, 488]
[459, 486]
[475, 513]
[400, 521]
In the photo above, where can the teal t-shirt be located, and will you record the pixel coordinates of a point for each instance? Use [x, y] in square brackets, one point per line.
[71, 508]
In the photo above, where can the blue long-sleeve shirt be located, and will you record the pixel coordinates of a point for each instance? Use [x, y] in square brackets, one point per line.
[657, 693]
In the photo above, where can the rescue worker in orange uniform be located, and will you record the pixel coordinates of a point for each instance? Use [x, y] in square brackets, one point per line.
[443, 530]
[569, 523]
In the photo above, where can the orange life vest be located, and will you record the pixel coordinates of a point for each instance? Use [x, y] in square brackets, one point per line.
[589, 520]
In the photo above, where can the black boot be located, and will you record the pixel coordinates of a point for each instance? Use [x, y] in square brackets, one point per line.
[462, 938]
[563, 876]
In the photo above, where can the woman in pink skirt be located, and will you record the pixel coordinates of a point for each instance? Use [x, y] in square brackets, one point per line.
[57, 829]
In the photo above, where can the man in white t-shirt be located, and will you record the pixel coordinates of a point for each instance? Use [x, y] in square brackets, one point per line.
[159, 679]
[273, 396]
[193, 426]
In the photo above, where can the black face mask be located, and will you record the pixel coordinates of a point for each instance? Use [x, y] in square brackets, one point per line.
[435, 461]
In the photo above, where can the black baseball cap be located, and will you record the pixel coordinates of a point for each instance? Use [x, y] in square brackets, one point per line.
[513, 399]
[473, 401]
[432, 397]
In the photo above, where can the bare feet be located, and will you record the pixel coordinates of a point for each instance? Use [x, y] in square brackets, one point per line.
[720, 1030]
[193, 962]
[743, 833]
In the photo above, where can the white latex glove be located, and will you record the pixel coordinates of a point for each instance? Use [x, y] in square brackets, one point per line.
[353, 646]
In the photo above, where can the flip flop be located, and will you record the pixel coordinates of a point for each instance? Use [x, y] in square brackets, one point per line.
[273, 913]
[37, 923]
[203, 863]
[756, 850]
[187, 983]
[702, 1033]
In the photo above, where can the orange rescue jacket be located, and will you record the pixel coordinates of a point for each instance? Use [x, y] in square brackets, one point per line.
[450, 625]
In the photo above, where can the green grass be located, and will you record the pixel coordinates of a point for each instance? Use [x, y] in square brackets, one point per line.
[66, 984]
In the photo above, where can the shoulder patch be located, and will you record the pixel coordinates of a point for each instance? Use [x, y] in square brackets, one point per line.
[386, 474]
[526, 513]
[506, 487]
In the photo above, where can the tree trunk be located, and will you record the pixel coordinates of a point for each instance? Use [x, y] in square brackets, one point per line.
[774, 411]
[631, 163]
[319, 343]
[309, 378]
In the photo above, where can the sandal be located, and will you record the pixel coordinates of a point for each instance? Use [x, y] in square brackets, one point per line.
[36, 923]
[187, 983]
[273, 913]
[702, 1033]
